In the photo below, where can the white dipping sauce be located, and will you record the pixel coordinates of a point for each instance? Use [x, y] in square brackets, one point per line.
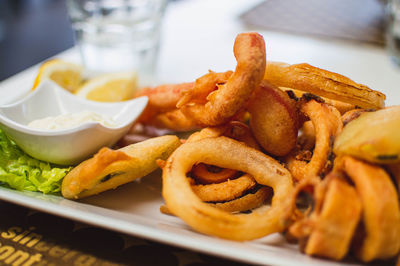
[65, 121]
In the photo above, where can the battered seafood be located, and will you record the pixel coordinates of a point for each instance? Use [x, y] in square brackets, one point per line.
[183, 202]
[109, 169]
[224, 103]
[305, 77]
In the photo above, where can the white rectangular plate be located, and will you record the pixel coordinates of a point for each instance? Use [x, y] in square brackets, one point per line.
[134, 209]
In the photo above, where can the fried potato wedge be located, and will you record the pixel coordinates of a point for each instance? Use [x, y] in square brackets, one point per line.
[109, 169]
[373, 136]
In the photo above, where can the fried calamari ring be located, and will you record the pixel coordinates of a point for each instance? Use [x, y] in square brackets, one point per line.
[208, 174]
[224, 103]
[183, 202]
[327, 123]
[381, 211]
[323, 83]
[247, 202]
[225, 191]
[273, 119]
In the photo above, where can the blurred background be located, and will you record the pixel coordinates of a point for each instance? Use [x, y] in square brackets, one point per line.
[31, 31]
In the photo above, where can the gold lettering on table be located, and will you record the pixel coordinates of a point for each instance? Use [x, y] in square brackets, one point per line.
[69, 255]
[35, 258]
[85, 260]
[20, 236]
[6, 251]
[31, 239]
[58, 251]
[43, 246]
[11, 232]
[17, 258]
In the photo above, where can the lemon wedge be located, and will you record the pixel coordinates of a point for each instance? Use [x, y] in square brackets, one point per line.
[112, 87]
[65, 74]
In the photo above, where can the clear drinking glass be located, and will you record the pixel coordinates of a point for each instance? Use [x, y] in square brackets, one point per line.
[393, 30]
[118, 35]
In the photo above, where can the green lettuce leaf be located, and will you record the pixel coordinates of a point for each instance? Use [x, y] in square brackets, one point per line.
[22, 172]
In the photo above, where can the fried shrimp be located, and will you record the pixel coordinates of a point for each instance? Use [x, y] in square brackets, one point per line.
[161, 111]
[229, 98]
[162, 98]
[210, 174]
[323, 83]
[173, 120]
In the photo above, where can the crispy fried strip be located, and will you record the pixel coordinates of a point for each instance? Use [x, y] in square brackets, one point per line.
[335, 221]
[327, 124]
[323, 83]
[327, 231]
[381, 211]
[224, 191]
[224, 103]
[110, 168]
[183, 202]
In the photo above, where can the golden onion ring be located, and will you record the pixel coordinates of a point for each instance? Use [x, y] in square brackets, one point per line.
[228, 190]
[184, 203]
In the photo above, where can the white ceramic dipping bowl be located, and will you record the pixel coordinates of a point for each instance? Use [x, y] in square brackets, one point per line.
[67, 146]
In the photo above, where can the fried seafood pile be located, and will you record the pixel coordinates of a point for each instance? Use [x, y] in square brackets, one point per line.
[281, 149]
